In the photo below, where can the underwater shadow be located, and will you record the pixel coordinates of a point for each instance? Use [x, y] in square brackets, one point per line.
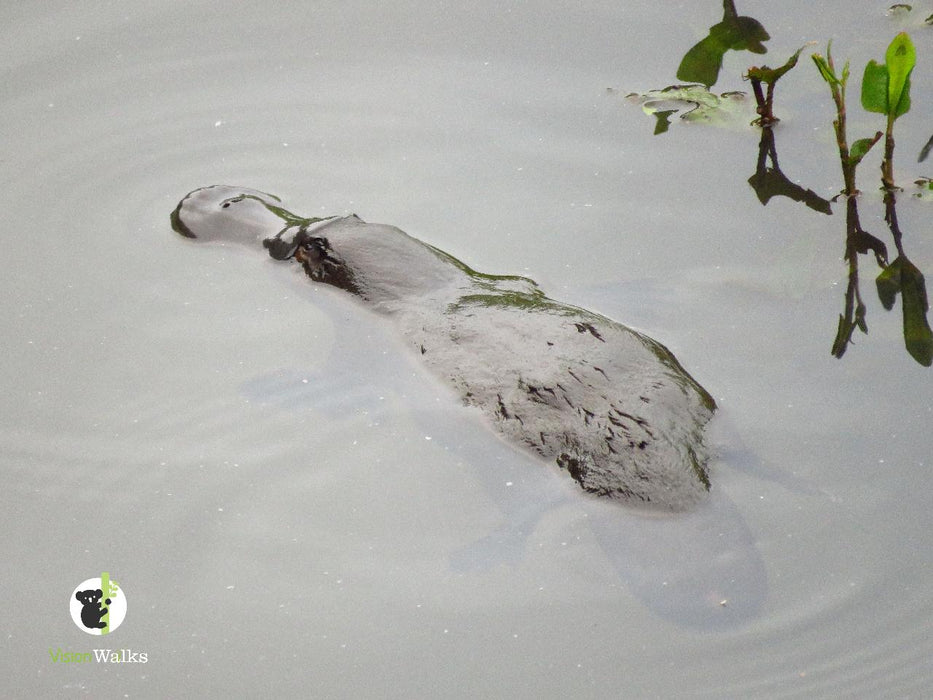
[699, 570]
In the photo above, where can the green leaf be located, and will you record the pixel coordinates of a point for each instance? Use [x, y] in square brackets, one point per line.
[771, 75]
[903, 104]
[886, 86]
[900, 58]
[823, 66]
[860, 148]
[875, 87]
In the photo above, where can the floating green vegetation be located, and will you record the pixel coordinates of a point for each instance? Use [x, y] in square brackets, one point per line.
[693, 103]
[924, 188]
[905, 14]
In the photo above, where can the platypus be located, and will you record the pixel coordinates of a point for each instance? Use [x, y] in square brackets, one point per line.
[606, 403]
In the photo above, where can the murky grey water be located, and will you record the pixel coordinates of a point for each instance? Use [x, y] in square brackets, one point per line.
[292, 506]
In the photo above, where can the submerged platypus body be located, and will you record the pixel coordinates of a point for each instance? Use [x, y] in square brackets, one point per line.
[611, 406]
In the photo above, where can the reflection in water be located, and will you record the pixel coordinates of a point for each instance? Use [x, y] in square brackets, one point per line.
[900, 276]
[858, 242]
[903, 277]
[701, 66]
[770, 182]
[702, 63]
[925, 151]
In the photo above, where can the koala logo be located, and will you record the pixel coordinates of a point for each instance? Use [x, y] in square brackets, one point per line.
[98, 605]
[91, 611]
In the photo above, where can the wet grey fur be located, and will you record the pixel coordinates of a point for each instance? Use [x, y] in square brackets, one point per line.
[609, 405]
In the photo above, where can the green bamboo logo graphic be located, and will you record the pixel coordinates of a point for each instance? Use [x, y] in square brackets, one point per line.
[98, 605]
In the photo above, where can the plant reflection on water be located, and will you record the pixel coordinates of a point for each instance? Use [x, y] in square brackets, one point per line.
[702, 63]
[885, 90]
[769, 181]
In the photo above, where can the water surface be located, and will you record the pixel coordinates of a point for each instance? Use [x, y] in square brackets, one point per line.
[292, 506]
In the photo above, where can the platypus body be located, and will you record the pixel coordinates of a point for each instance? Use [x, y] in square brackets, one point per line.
[609, 405]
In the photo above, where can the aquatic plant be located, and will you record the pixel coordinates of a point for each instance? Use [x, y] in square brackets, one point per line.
[768, 76]
[906, 14]
[849, 157]
[691, 102]
[886, 90]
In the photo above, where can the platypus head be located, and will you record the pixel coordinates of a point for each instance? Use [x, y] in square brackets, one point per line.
[240, 215]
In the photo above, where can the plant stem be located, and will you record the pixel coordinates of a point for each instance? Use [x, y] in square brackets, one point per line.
[848, 168]
[887, 164]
